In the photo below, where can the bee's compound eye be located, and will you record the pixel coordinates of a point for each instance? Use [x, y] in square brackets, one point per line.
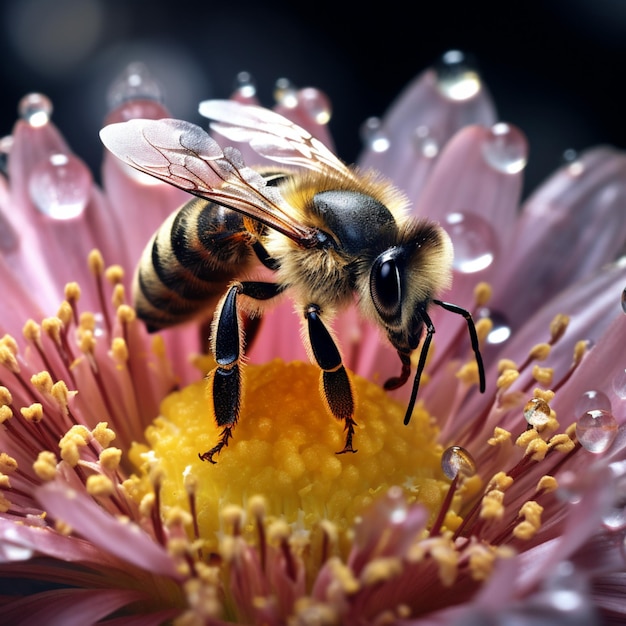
[386, 287]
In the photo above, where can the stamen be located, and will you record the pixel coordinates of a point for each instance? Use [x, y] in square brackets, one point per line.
[96, 266]
[46, 465]
[558, 326]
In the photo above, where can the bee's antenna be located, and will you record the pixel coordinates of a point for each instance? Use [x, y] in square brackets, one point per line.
[430, 331]
[453, 308]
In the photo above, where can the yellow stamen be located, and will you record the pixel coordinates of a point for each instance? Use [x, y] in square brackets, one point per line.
[103, 434]
[98, 485]
[531, 512]
[506, 379]
[380, 569]
[558, 326]
[540, 352]
[110, 458]
[33, 413]
[543, 375]
[482, 294]
[95, 263]
[7, 463]
[46, 465]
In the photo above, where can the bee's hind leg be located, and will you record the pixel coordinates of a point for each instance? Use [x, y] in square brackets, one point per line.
[226, 379]
[335, 381]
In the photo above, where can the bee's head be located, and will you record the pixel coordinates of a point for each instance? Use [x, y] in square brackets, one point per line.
[406, 276]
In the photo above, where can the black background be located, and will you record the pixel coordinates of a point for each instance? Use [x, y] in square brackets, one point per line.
[554, 68]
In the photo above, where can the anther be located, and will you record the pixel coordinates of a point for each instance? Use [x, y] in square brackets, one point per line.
[558, 326]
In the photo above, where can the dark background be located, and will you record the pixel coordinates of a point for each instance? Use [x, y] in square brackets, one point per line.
[555, 68]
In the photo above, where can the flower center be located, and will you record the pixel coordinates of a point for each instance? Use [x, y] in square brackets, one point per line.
[284, 449]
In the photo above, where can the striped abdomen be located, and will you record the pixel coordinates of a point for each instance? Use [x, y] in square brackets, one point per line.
[185, 268]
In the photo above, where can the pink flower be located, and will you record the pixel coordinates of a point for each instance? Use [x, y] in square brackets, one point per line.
[484, 508]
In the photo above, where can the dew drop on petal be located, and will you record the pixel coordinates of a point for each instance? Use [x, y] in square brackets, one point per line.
[624, 300]
[285, 93]
[135, 83]
[569, 489]
[457, 460]
[457, 77]
[505, 148]
[615, 517]
[537, 412]
[374, 136]
[473, 240]
[619, 384]
[35, 108]
[500, 329]
[245, 86]
[316, 104]
[596, 430]
[591, 400]
[60, 186]
[425, 143]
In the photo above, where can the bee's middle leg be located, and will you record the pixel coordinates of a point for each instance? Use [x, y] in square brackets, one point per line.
[226, 378]
[335, 381]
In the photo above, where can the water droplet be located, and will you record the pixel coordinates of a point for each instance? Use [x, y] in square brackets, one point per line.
[457, 77]
[316, 104]
[60, 186]
[374, 136]
[35, 108]
[245, 85]
[574, 165]
[425, 143]
[505, 148]
[619, 384]
[457, 460]
[500, 329]
[624, 300]
[591, 400]
[615, 517]
[596, 430]
[473, 240]
[285, 93]
[537, 412]
[135, 83]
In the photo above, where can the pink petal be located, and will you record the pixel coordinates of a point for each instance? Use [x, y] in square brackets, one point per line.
[422, 106]
[570, 227]
[124, 540]
[67, 607]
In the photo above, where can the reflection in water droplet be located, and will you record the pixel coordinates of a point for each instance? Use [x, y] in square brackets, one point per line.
[373, 135]
[245, 85]
[457, 78]
[60, 186]
[35, 108]
[537, 412]
[316, 104]
[619, 384]
[500, 329]
[473, 240]
[591, 400]
[596, 430]
[505, 148]
[425, 143]
[615, 517]
[285, 93]
[135, 83]
[457, 460]
[624, 300]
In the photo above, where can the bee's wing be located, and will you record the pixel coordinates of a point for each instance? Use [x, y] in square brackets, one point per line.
[271, 135]
[184, 155]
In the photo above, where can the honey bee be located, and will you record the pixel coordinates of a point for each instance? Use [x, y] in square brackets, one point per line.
[332, 235]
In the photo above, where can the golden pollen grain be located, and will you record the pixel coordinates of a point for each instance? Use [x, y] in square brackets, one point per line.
[284, 451]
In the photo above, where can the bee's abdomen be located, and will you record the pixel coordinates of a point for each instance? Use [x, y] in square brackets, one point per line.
[188, 263]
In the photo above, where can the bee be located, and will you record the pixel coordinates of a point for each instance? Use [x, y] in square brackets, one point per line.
[330, 233]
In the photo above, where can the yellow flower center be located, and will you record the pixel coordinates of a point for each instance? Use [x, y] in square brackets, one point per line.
[284, 448]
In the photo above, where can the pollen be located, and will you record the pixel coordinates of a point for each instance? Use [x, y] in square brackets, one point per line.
[283, 453]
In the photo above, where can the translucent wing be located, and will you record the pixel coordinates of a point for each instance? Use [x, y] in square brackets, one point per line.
[271, 135]
[184, 155]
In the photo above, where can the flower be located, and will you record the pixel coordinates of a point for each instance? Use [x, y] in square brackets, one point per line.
[505, 505]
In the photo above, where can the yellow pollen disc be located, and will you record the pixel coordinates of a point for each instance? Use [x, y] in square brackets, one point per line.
[284, 449]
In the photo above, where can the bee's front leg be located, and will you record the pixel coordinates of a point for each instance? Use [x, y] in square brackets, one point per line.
[226, 378]
[335, 381]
